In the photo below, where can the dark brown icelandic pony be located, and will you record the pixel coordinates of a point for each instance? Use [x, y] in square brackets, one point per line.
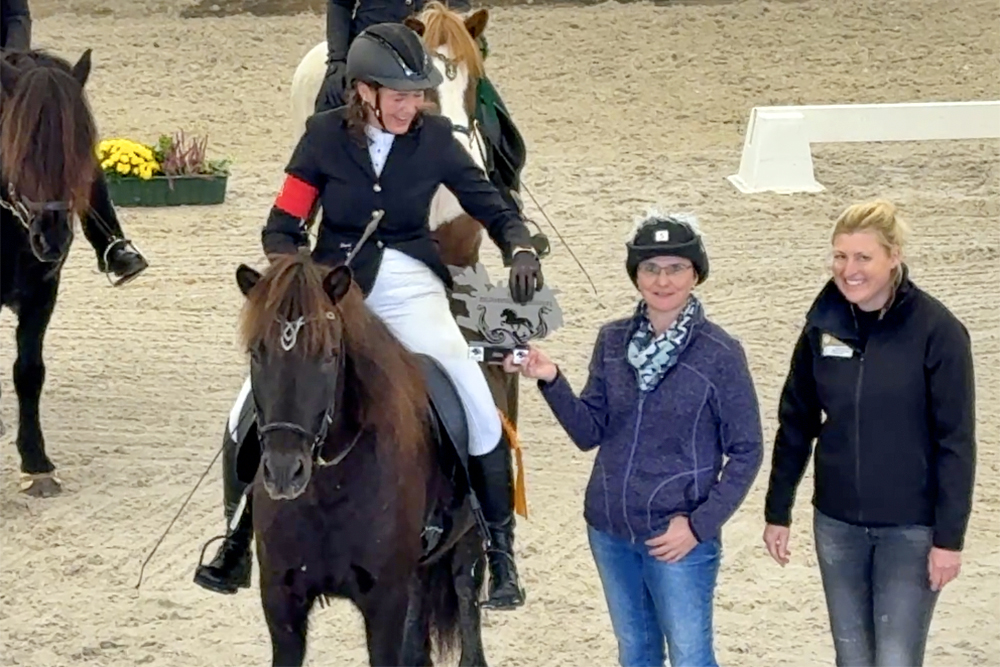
[349, 473]
[47, 140]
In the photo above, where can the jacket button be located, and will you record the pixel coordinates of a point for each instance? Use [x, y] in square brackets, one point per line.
[379, 244]
[377, 188]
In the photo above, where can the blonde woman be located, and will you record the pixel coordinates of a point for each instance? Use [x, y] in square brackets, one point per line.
[891, 368]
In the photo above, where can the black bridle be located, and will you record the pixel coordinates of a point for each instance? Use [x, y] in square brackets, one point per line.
[26, 212]
[316, 438]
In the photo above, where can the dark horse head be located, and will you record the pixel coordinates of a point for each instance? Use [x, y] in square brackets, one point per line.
[309, 335]
[47, 139]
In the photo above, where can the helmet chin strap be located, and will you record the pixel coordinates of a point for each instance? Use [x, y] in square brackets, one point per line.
[377, 109]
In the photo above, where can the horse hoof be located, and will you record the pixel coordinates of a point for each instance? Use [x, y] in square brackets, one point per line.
[42, 485]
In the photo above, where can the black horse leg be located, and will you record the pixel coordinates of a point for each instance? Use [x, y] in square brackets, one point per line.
[385, 624]
[417, 638]
[287, 616]
[29, 377]
[468, 572]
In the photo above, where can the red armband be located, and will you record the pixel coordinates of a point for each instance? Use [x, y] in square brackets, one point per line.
[296, 197]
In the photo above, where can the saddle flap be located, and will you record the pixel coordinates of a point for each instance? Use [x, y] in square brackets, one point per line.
[447, 408]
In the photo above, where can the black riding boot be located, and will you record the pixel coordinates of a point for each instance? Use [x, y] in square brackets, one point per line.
[115, 253]
[492, 479]
[230, 569]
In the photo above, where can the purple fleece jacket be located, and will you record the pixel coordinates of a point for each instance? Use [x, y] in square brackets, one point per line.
[661, 453]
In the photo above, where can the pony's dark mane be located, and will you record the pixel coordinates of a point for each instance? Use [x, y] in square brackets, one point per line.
[47, 131]
[382, 377]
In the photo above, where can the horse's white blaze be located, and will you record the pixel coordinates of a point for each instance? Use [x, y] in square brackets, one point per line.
[308, 79]
[451, 97]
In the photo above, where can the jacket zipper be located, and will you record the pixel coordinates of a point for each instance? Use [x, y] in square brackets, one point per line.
[628, 468]
[857, 436]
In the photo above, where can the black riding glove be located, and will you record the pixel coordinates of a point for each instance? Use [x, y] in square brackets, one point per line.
[331, 93]
[525, 276]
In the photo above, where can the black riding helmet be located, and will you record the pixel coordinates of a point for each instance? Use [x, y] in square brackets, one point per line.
[392, 56]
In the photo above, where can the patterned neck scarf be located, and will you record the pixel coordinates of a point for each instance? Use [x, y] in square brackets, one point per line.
[651, 355]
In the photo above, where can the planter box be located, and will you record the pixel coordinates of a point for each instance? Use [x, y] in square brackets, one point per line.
[161, 191]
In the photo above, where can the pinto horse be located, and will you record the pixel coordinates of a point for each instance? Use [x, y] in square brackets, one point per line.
[47, 139]
[451, 38]
[362, 442]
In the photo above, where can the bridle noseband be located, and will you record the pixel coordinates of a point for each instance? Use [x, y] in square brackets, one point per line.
[26, 212]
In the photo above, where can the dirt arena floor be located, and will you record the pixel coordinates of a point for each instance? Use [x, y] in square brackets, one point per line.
[622, 106]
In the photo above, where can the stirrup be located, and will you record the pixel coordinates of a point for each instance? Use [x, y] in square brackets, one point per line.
[107, 269]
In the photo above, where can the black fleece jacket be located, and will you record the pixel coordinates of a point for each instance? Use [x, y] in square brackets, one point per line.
[898, 443]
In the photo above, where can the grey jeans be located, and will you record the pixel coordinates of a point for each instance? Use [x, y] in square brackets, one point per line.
[877, 590]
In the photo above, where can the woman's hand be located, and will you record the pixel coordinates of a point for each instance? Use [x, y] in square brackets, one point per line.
[776, 539]
[943, 565]
[675, 543]
[537, 365]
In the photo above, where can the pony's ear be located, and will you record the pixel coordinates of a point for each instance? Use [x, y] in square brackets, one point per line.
[415, 24]
[8, 76]
[81, 70]
[246, 278]
[337, 282]
[475, 22]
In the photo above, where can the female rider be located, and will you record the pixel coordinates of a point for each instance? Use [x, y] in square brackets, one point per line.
[380, 152]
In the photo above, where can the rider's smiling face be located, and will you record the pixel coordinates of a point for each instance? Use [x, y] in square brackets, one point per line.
[398, 108]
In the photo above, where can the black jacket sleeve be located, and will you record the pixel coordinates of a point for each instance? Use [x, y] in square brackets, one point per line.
[799, 419]
[338, 29]
[951, 390]
[285, 232]
[16, 25]
[481, 199]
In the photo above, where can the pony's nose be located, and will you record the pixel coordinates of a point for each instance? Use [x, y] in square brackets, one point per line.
[286, 474]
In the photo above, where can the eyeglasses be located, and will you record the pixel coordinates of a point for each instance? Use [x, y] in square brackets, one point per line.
[654, 269]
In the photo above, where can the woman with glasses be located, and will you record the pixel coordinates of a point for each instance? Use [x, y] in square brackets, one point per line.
[669, 394]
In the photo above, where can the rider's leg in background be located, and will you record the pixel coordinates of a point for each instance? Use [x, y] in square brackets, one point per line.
[413, 303]
[115, 253]
[230, 569]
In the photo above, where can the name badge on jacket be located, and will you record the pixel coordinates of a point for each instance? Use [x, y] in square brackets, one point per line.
[834, 347]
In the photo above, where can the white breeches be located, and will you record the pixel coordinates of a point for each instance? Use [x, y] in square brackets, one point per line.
[412, 302]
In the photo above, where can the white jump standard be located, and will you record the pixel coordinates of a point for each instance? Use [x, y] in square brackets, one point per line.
[777, 154]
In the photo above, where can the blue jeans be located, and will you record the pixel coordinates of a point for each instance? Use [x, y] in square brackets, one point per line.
[877, 590]
[650, 600]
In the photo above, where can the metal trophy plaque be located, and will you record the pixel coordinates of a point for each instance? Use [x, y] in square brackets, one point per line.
[503, 325]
